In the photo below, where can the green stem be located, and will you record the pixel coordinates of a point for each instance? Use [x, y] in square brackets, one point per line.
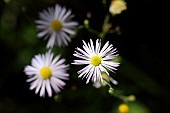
[105, 26]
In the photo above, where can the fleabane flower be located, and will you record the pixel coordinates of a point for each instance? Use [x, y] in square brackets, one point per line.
[55, 24]
[97, 59]
[117, 6]
[107, 80]
[46, 73]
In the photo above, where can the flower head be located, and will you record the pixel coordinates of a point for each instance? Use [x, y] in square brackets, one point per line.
[97, 59]
[55, 24]
[47, 73]
[117, 6]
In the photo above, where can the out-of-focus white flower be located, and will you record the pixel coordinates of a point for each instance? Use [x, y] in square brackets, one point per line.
[55, 24]
[47, 73]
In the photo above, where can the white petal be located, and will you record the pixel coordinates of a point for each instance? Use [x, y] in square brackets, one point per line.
[54, 86]
[42, 22]
[42, 91]
[62, 13]
[51, 40]
[34, 84]
[32, 78]
[48, 87]
[66, 15]
[69, 24]
[43, 33]
[81, 62]
[58, 82]
[57, 11]
[29, 70]
[69, 31]
[38, 86]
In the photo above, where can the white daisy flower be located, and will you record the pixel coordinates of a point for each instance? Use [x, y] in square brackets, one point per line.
[97, 59]
[47, 73]
[55, 24]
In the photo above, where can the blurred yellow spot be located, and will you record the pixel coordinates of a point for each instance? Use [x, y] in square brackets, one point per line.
[117, 6]
[55, 25]
[123, 108]
[45, 72]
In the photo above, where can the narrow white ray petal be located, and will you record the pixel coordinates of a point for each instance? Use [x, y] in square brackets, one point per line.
[29, 70]
[69, 24]
[69, 31]
[61, 61]
[80, 56]
[44, 17]
[35, 63]
[103, 69]
[92, 46]
[58, 39]
[87, 49]
[66, 15]
[42, 27]
[104, 47]
[42, 33]
[62, 13]
[42, 22]
[107, 50]
[91, 51]
[111, 63]
[57, 11]
[66, 36]
[89, 75]
[32, 78]
[68, 18]
[63, 76]
[38, 86]
[51, 40]
[39, 59]
[48, 87]
[42, 91]
[59, 68]
[83, 52]
[58, 82]
[55, 60]
[34, 84]
[97, 46]
[80, 62]
[85, 70]
[98, 73]
[54, 86]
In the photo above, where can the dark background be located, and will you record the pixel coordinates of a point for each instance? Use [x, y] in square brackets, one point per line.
[143, 47]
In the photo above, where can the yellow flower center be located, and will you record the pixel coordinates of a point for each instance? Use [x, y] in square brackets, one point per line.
[45, 72]
[123, 108]
[95, 60]
[55, 25]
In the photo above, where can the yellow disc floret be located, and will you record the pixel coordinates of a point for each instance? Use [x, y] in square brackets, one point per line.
[95, 60]
[123, 108]
[45, 72]
[117, 6]
[55, 25]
